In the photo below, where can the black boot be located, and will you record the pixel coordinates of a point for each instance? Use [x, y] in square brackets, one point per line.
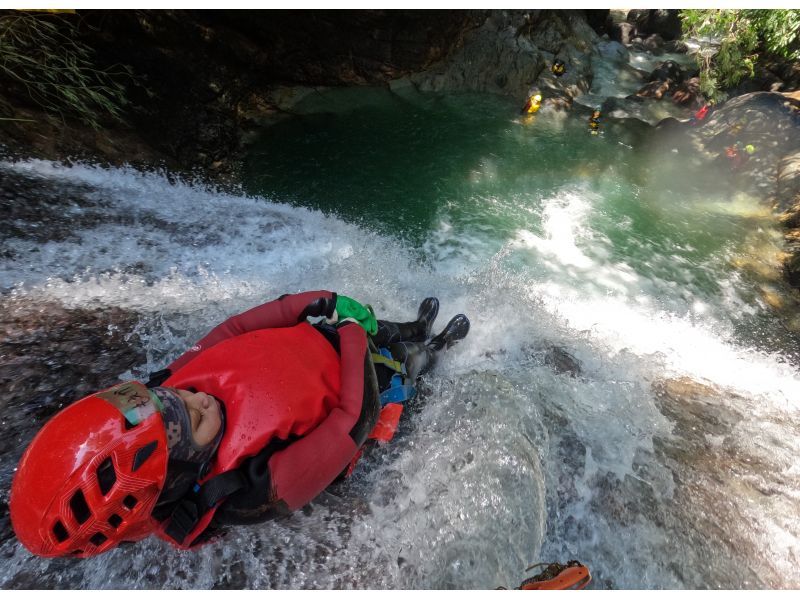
[418, 330]
[428, 310]
[456, 329]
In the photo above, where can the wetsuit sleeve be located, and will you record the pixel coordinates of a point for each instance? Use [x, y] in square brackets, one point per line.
[288, 310]
[305, 468]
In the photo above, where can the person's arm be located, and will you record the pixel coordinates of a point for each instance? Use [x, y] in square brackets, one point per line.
[301, 471]
[288, 310]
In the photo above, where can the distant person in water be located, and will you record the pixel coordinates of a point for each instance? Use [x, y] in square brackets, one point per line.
[533, 104]
[251, 423]
[738, 156]
[594, 123]
[558, 68]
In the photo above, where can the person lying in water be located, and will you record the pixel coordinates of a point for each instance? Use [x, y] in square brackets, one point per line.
[251, 423]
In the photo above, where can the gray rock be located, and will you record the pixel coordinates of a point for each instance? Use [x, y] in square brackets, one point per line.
[562, 362]
[768, 121]
[638, 17]
[787, 193]
[654, 43]
[666, 23]
[623, 32]
[669, 69]
[613, 51]
[511, 52]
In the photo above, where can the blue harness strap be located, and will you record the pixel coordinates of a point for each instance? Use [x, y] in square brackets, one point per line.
[400, 390]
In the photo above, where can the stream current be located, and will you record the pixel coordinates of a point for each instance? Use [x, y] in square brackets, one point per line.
[626, 395]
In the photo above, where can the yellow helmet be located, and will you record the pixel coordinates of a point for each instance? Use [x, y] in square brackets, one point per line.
[536, 97]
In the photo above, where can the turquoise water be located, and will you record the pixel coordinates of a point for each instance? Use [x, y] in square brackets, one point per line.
[461, 177]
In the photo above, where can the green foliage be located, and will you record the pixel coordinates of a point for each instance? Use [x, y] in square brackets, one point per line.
[42, 55]
[744, 35]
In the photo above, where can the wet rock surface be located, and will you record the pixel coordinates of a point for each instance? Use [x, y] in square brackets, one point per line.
[51, 356]
[511, 54]
[722, 464]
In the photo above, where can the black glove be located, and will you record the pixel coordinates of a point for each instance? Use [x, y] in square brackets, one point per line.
[319, 307]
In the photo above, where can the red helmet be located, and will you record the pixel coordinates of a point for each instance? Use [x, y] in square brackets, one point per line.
[92, 475]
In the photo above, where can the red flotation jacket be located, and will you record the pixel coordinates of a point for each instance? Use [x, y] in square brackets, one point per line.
[282, 384]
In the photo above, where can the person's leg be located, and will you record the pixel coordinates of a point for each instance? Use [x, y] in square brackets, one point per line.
[420, 357]
[418, 330]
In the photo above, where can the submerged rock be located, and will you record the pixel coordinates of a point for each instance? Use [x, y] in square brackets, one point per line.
[562, 362]
[613, 51]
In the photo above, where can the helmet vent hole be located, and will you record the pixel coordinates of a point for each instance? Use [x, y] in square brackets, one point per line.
[142, 454]
[60, 531]
[98, 539]
[129, 501]
[128, 424]
[115, 521]
[106, 476]
[79, 507]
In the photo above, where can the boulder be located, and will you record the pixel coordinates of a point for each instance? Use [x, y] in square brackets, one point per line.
[676, 46]
[638, 18]
[498, 57]
[613, 51]
[688, 93]
[562, 361]
[787, 194]
[623, 32]
[669, 69]
[665, 22]
[637, 45]
[654, 43]
[654, 89]
[770, 122]
[598, 19]
[511, 53]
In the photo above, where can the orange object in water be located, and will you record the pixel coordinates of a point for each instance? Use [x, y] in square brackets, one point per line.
[382, 432]
[387, 423]
[572, 576]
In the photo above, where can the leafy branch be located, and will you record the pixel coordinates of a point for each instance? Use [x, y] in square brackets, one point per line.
[743, 36]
